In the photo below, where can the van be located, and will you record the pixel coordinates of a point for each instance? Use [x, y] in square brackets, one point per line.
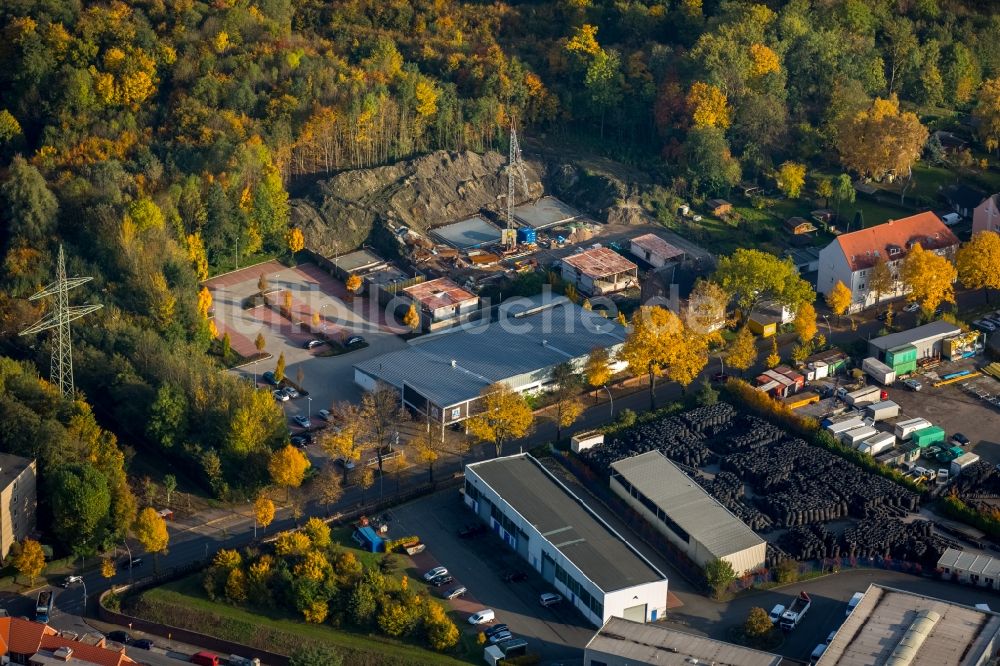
[855, 600]
[205, 659]
[482, 617]
[817, 653]
[951, 218]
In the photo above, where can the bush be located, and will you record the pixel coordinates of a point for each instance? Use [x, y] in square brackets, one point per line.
[401, 544]
[787, 572]
[719, 575]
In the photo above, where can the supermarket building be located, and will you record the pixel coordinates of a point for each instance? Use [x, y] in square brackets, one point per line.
[584, 559]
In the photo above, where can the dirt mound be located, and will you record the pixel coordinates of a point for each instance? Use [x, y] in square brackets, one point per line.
[603, 195]
[419, 193]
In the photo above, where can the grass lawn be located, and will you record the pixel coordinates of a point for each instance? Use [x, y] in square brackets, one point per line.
[273, 628]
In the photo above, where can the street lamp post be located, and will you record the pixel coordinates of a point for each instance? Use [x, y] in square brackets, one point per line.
[309, 407]
[255, 373]
[612, 399]
[828, 328]
[129, 551]
[84, 583]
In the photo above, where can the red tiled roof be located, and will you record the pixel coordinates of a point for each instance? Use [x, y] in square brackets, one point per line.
[101, 656]
[600, 262]
[25, 637]
[862, 248]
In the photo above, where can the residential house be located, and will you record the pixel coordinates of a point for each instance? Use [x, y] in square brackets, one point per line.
[37, 644]
[986, 216]
[719, 207]
[599, 271]
[654, 250]
[441, 303]
[963, 199]
[850, 257]
[18, 500]
[799, 225]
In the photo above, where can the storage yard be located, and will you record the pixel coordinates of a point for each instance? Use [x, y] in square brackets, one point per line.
[807, 502]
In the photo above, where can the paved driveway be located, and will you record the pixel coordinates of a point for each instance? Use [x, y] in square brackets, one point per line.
[478, 563]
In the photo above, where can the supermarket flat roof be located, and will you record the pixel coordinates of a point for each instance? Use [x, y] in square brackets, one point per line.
[472, 232]
[935, 329]
[566, 522]
[640, 643]
[546, 212]
[600, 262]
[890, 626]
[687, 503]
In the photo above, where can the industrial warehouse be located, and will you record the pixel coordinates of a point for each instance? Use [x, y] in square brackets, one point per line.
[683, 512]
[578, 553]
[442, 376]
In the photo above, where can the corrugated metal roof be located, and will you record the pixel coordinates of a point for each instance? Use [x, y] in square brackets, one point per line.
[983, 565]
[887, 621]
[935, 329]
[455, 367]
[687, 503]
[565, 522]
[656, 246]
[639, 643]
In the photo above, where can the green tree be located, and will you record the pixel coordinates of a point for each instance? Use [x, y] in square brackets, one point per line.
[719, 575]
[844, 191]
[824, 189]
[316, 654]
[81, 502]
[711, 167]
[604, 83]
[758, 623]
[28, 205]
[168, 416]
[169, 486]
[751, 276]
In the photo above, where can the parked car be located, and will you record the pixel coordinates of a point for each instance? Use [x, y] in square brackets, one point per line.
[143, 644]
[514, 576]
[911, 307]
[433, 573]
[471, 530]
[205, 659]
[345, 463]
[354, 340]
[280, 395]
[960, 439]
[444, 579]
[269, 378]
[120, 637]
[302, 421]
[454, 592]
[775, 613]
[549, 599]
[70, 580]
[500, 636]
[290, 392]
[496, 629]
[299, 441]
[912, 384]
[482, 617]
[984, 325]
[135, 562]
[324, 414]
[312, 344]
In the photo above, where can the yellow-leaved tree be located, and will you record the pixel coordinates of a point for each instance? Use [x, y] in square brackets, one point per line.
[597, 370]
[197, 255]
[204, 302]
[791, 179]
[263, 511]
[774, 358]
[288, 468]
[345, 442]
[763, 60]
[29, 559]
[708, 105]
[504, 415]
[929, 277]
[296, 241]
[660, 345]
[151, 531]
[108, 569]
[881, 140]
[839, 299]
[412, 318]
[978, 262]
[742, 351]
[353, 284]
[987, 113]
[805, 322]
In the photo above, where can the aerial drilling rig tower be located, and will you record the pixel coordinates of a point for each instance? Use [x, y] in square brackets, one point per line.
[515, 171]
[61, 370]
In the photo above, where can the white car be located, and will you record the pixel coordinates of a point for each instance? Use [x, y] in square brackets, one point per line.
[324, 414]
[549, 599]
[70, 580]
[775, 613]
[280, 396]
[911, 307]
[483, 616]
[435, 572]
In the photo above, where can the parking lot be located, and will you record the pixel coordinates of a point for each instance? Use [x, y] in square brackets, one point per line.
[478, 563]
[326, 378]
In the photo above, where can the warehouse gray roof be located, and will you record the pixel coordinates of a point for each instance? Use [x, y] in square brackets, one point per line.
[454, 367]
[469, 233]
[687, 504]
[890, 626]
[639, 643]
[935, 329]
[566, 522]
[973, 563]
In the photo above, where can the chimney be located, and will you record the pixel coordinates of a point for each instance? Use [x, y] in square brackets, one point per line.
[63, 653]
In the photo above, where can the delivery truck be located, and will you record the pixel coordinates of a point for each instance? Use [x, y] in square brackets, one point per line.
[880, 411]
[905, 429]
[796, 611]
[878, 371]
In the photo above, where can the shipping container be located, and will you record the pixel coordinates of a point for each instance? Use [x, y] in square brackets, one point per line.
[878, 370]
[865, 396]
[526, 235]
[801, 399]
[903, 360]
[877, 444]
[819, 370]
[904, 429]
[838, 427]
[927, 436]
[881, 411]
[961, 462]
[855, 436]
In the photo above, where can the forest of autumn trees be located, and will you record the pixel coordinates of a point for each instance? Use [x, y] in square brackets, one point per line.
[153, 138]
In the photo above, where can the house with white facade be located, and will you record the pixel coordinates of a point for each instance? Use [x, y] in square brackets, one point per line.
[986, 216]
[850, 257]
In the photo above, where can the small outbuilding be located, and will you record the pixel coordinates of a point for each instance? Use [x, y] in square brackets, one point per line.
[719, 207]
[799, 225]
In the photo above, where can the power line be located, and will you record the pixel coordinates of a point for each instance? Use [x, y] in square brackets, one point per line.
[61, 369]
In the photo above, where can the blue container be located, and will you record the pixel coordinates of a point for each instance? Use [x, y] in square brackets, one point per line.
[526, 235]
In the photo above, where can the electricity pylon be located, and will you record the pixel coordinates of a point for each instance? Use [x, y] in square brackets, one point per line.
[61, 371]
[515, 165]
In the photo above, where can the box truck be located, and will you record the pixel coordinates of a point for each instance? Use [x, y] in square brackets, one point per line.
[864, 396]
[841, 426]
[904, 429]
[857, 435]
[880, 411]
[876, 444]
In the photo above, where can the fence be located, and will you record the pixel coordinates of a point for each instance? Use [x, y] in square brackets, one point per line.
[829, 565]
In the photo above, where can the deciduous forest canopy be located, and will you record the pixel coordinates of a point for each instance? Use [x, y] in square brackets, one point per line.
[150, 137]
